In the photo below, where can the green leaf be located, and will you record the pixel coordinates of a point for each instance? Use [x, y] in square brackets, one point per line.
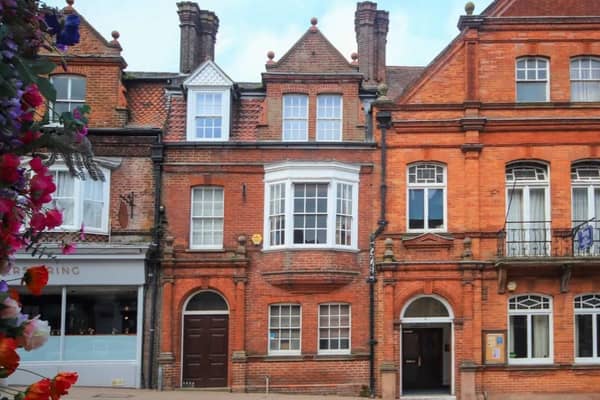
[47, 89]
[41, 66]
[26, 75]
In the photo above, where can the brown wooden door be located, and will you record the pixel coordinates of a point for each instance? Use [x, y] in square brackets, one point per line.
[422, 361]
[205, 351]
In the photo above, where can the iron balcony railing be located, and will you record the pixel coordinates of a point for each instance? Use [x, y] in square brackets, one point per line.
[538, 239]
[525, 239]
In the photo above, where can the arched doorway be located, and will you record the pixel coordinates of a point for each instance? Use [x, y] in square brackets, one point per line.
[427, 347]
[204, 345]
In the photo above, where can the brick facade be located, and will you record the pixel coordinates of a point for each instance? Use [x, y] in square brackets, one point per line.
[462, 114]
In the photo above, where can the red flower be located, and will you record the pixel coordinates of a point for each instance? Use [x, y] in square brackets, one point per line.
[9, 164]
[30, 136]
[68, 248]
[37, 222]
[38, 166]
[61, 384]
[36, 278]
[54, 218]
[41, 188]
[39, 390]
[6, 205]
[32, 97]
[9, 359]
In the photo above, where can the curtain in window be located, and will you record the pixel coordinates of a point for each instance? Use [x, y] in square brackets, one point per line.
[540, 336]
[596, 222]
[580, 205]
[585, 91]
[538, 235]
[514, 237]
[64, 201]
[93, 203]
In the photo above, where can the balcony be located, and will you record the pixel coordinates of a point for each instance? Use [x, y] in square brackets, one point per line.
[537, 239]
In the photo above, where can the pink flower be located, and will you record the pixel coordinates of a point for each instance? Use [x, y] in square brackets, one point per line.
[37, 222]
[35, 334]
[30, 136]
[9, 308]
[68, 248]
[41, 188]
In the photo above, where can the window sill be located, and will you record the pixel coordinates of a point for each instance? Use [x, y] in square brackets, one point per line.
[220, 250]
[316, 248]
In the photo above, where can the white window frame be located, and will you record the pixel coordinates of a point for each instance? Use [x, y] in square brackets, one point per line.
[78, 201]
[284, 352]
[537, 79]
[529, 313]
[591, 185]
[526, 185]
[330, 173]
[595, 313]
[426, 187]
[192, 97]
[284, 117]
[339, 327]
[194, 246]
[327, 119]
[575, 68]
[73, 103]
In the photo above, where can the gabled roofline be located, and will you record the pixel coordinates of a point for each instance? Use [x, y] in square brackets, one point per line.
[291, 50]
[201, 68]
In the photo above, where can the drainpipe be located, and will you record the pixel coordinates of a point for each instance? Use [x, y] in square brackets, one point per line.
[154, 273]
[384, 119]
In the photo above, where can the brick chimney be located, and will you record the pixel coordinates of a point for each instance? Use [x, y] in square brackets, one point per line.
[198, 35]
[371, 27]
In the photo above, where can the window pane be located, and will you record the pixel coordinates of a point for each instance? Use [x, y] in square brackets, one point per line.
[518, 336]
[101, 324]
[207, 217]
[306, 214]
[435, 208]
[416, 209]
[77, 88]
[584, 336]
[531, 91]
[540, 336]
[61, 84]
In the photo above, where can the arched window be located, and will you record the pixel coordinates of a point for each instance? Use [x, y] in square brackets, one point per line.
[585, 205]
[585, 79]
[527, 210]
[532, 76]
[426, 307]
[426, 197]
[530, 329]
[587, 327]
[206, 302]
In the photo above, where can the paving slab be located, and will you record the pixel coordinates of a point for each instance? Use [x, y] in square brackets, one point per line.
[88, 393]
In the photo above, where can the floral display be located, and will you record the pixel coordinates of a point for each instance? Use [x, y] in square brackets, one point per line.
[28, 145]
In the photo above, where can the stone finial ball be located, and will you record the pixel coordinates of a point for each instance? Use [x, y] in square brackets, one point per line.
[313, 21]
[271, 54]
[382, 89]
[469, 8]
[354, 56]
[115, 34]
[70, 2]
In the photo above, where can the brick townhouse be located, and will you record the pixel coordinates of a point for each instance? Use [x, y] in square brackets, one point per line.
[268, 189]
[488, 283]
[99, 300]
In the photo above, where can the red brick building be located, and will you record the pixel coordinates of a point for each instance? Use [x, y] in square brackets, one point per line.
[268, 190]
[99, 300]
[487, 274]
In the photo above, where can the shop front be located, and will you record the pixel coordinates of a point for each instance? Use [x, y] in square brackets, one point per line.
[94, 306]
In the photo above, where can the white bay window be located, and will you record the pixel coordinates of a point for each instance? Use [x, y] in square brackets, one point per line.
[311, 205]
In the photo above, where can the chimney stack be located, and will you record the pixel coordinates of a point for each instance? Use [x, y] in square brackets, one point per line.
[371, 27]
[198, 35]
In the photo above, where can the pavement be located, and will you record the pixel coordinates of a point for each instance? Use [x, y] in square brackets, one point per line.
[89, 393]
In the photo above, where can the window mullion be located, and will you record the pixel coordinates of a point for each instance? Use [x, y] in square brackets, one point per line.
[331, 211]
[289, 213]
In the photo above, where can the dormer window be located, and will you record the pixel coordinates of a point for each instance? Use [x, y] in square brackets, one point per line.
[70, 93]
[211, 117]
[208, 104]
[295, 117]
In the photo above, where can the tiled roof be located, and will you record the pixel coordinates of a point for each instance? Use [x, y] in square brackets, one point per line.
[399, 77]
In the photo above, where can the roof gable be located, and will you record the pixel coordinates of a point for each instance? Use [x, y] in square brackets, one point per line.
[312, 53]
[208, 74]
[543, 8]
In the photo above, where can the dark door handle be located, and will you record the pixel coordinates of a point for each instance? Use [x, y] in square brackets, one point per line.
[410, 361]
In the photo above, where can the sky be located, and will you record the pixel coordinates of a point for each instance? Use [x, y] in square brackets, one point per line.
[248, 29]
